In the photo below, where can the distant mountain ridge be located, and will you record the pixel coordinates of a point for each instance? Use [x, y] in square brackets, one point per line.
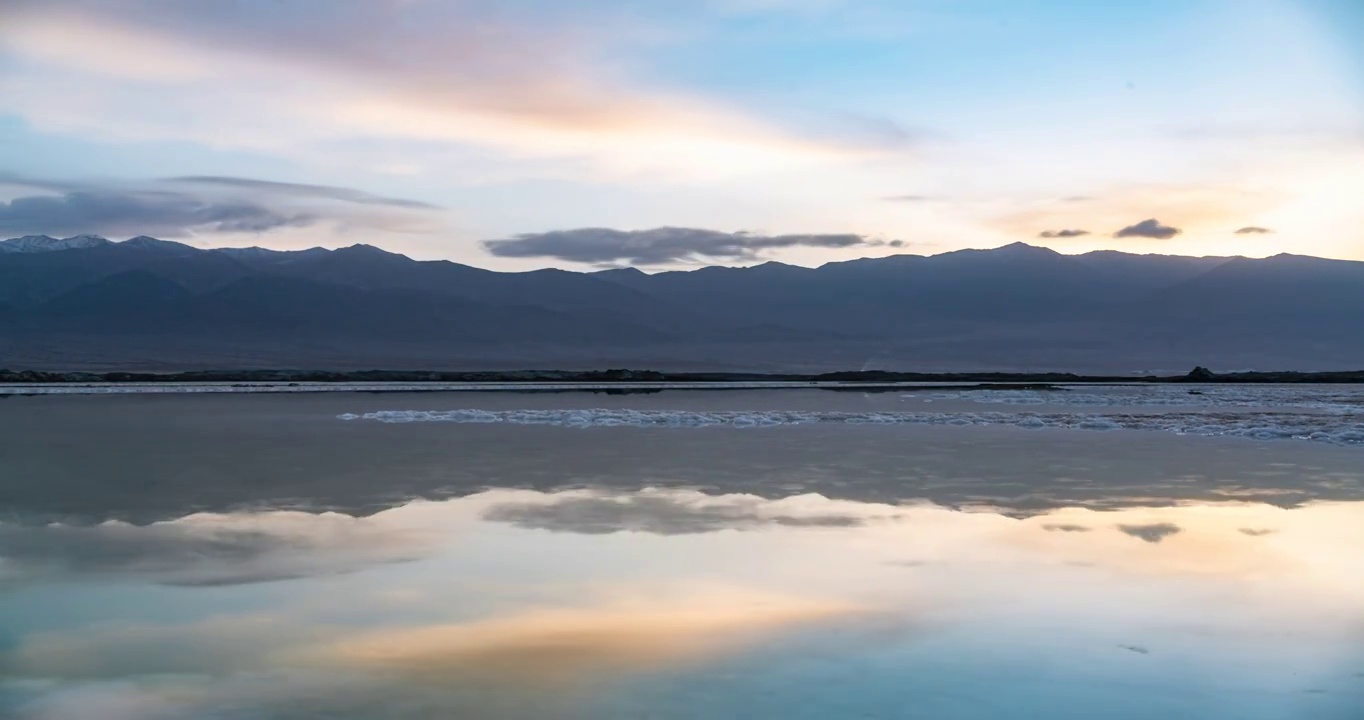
[46, 243]
[85, 302]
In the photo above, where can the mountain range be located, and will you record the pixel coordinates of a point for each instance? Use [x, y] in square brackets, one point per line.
[85, 303]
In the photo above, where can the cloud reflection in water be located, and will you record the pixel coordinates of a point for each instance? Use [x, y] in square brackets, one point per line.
[490, 615]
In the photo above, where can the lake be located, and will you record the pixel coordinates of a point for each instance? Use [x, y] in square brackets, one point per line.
[1125, 552]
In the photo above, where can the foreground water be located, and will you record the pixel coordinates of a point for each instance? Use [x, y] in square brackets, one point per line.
[681, 555]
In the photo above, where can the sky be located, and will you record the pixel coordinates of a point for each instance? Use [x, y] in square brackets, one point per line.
[521, 134]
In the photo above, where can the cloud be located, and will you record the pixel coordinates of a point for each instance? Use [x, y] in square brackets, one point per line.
[473, 75]
[304, 190]
[1065, 527]
[1148, 229]
[1201, 205]
[875, 131]
[1153, 533]
[908, 198]
[661, 245]
[187, 206]
[1062, 233]
[1253, 230]
[661, 514]
[131, 213]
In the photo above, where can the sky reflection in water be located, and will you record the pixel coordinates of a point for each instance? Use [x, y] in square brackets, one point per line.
[589, 603]
[901, 572]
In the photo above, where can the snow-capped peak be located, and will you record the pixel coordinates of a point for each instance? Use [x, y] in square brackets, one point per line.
[83, 241]
[26, 243]
[45, 243]
[146, 242]
[252, 251]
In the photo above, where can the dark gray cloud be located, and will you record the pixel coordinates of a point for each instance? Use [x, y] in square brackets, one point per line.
[165, 214]
[1153, 533]
[662, 245]
[1065, 527]
[330, 192]
[1253, 230]
[185, 206]
[57, 186]
[659, 515]
[1062, 233]
[1148, 229]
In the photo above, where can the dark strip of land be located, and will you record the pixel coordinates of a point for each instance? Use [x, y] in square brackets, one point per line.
[870, 377]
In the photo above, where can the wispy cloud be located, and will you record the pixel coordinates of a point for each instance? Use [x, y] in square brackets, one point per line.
[875, 131]
[188, 206]
[303, 190]
[1062, 233]
[1253, 230]
[663, 245]
[467, 73]
[1150, 228]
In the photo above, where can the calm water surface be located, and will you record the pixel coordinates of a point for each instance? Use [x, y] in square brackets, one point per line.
[1121, 553]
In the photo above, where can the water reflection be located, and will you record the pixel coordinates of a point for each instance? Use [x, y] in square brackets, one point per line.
[207, 549]
[617, 635]
[678, 603]
[178, 456]
[675, 512]
[252, 557]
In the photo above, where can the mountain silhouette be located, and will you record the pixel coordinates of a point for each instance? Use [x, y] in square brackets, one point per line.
[145, 303]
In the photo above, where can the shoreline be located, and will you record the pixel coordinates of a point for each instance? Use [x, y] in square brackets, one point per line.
[649, 379]
[537, 388]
